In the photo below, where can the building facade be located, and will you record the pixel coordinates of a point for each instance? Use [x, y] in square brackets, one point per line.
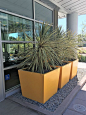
[17, 18]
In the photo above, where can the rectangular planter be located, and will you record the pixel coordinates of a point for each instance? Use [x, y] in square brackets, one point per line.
[39, 87]
[64, 74]
[74, 66]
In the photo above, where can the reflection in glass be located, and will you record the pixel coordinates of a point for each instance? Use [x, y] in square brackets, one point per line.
[13, 27]
[43, 14]
[28, 45]
[10, 52]
[38, 27]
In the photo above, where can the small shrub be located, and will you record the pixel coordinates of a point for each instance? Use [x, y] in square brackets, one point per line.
[82, 58]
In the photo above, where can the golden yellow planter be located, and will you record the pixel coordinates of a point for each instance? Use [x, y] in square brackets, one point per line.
[64, 74]
[74, 66]
[39, 87]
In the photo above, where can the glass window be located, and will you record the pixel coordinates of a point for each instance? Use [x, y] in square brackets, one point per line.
[43, 14]
[14, 28]
[11, 78]
[21, 7]
[10, 58]
[18, 27]
[38, 27]
[10, 52]
[4, 24]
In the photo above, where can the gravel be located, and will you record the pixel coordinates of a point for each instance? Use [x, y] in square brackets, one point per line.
[53, 103]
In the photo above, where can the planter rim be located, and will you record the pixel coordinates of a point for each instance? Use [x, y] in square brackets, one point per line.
[74, 60]
[40, 73]
[71, 61]
[62, 65]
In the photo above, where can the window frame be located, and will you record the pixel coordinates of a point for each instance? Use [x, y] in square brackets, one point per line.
[24, 17]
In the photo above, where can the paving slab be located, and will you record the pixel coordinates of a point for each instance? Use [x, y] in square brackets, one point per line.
[81, 95]
[20, 110]
[8, 107]
[79, 102]
[71, 112]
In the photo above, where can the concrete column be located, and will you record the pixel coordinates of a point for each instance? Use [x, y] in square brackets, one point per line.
[72, 22]
[55, 17]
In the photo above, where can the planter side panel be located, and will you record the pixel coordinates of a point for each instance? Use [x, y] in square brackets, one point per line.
[74, 69]
[31, 85]
[51, 83]
[64, 75]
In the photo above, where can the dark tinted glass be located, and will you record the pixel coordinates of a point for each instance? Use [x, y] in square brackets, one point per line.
[21, 7]
[11, 78]
[42, 13]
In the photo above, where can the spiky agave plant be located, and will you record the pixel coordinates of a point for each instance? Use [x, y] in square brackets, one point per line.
[70, 51]
[68, 45]
[43, 55]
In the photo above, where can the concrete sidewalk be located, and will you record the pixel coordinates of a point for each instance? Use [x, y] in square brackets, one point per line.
[78, 104]
[76, 107]
[8, 107]
[81, 65]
